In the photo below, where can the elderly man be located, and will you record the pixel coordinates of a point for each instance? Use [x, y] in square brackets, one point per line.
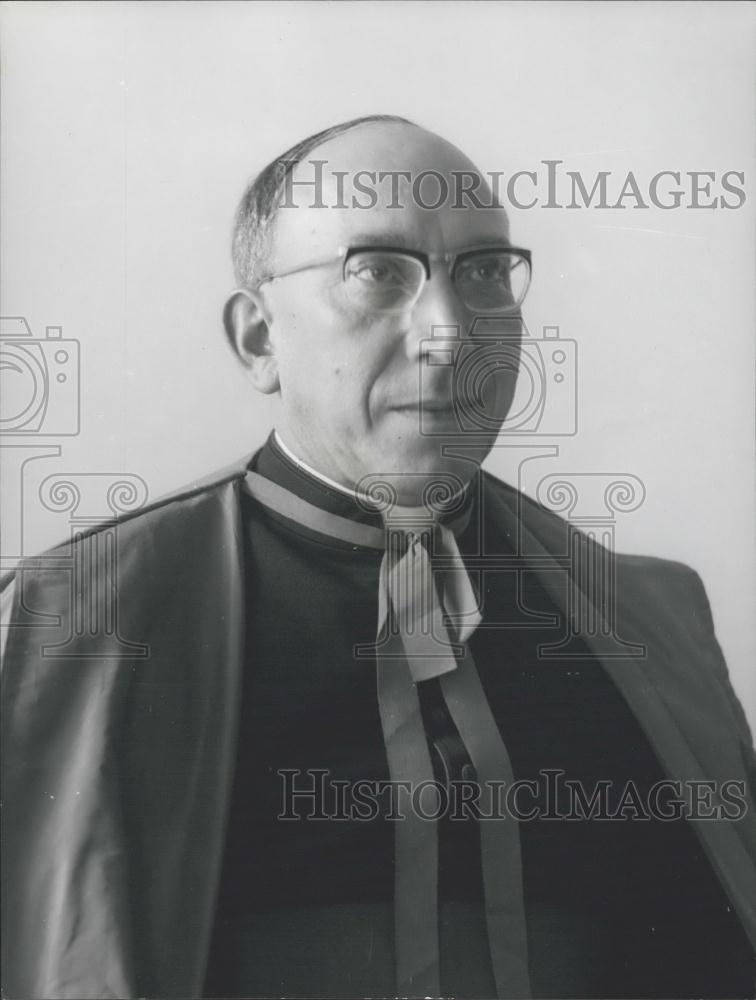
[321, 753]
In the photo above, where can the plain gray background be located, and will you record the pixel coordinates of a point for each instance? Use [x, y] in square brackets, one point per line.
[130, 129]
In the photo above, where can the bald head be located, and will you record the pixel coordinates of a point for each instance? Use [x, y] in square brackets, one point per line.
[381, 162]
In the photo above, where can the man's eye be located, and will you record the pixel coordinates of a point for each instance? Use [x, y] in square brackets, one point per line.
[484, 271]
[376, 273]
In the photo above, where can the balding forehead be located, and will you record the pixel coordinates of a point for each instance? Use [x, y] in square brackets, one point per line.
[387, 177]
[391, 145]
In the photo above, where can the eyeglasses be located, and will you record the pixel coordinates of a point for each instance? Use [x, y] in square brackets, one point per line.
[383, 279]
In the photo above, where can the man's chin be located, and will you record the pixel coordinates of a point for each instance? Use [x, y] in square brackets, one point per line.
[424, 471]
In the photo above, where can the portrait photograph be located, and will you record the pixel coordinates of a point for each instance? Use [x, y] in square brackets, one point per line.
[377, 574]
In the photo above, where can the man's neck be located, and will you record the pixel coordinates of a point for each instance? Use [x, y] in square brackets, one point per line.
[363, 499]
[326, 480]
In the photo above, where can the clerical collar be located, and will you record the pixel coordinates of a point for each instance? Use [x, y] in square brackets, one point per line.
[278, 463]
[360, 503]
[300, 464]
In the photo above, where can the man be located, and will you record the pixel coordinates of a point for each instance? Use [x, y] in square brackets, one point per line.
[194, 799]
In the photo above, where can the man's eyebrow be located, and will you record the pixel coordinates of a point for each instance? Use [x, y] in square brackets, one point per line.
[500, 240]
[384, 238]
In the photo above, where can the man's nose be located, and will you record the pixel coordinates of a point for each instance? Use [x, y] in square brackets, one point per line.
[439, 306]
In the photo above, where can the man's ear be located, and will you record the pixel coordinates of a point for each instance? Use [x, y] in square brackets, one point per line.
[246, 321]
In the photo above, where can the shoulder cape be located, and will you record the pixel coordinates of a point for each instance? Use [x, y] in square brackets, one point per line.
[120, 713]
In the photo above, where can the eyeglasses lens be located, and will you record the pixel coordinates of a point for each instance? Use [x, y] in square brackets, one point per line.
[378, 281]
[487, 281]
[492, 281]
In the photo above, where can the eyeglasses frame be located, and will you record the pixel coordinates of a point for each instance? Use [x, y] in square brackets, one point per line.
[453, 259]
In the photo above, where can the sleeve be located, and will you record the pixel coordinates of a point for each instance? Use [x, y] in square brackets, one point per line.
[719, 669]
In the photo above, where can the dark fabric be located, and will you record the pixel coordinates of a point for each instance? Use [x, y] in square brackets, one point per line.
[613, 908]
[117, 768]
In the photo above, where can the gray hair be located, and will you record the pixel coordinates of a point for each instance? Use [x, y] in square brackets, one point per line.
[260, 201]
